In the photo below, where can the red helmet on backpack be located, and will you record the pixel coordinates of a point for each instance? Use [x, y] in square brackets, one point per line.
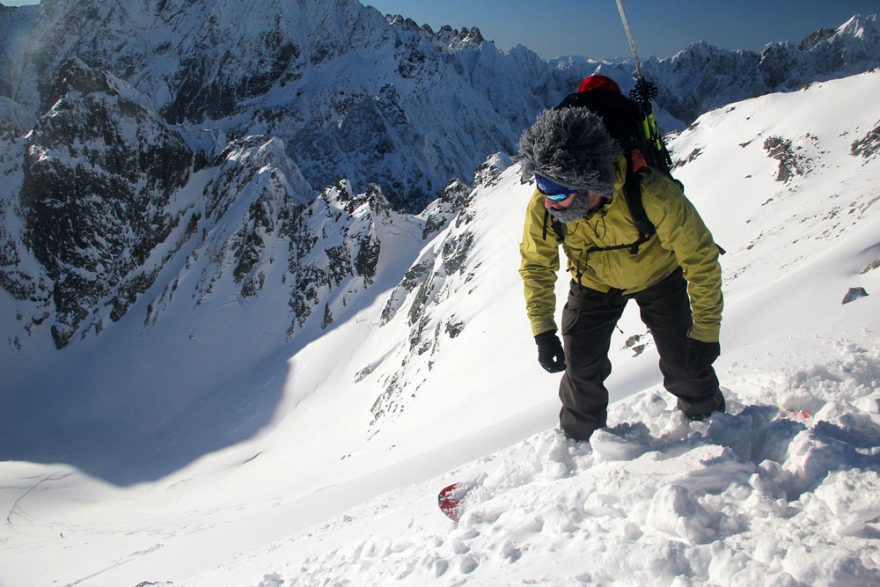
[598, 82]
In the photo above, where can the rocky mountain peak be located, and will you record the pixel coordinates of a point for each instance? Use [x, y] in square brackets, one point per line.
[99, 170]
[703, 77]
[153, 147]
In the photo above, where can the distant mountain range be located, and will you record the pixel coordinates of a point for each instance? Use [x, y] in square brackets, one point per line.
[147, 147]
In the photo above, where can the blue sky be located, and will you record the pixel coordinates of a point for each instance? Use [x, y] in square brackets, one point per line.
[592, 27]
[662, 27]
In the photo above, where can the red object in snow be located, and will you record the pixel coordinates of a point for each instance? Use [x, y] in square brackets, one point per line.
[449, 499]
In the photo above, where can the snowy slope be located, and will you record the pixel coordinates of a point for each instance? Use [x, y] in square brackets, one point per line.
[326, 468]
[783, 490]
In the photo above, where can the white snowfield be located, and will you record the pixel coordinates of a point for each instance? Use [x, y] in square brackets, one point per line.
[782, 490]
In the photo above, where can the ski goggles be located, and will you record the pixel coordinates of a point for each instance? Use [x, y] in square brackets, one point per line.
[551, 190]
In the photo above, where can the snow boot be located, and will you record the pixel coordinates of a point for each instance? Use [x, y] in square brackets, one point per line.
[702, 409]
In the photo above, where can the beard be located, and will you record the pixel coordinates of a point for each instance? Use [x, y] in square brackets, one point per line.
[578, 209]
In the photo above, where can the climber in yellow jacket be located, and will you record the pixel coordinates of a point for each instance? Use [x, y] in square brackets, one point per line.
[674, 276]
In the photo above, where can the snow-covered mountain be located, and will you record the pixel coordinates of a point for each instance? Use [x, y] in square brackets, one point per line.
[353, 94]
[272, 253]
[702, 77]
[129, 131]
[136, 137]
[196, 452]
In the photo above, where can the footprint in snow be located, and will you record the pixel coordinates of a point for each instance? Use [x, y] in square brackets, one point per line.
[623, 442]
[468, 564]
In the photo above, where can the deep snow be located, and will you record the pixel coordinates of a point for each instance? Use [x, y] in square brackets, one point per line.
[782, 490]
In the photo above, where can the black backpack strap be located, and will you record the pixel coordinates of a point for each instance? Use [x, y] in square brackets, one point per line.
[632, 191]
[558, 228]
[557, 225]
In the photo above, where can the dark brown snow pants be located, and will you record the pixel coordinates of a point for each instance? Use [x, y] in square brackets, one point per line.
[588, 321]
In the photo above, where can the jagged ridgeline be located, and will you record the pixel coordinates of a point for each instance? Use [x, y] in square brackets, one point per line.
[177, 152]
[142, 142]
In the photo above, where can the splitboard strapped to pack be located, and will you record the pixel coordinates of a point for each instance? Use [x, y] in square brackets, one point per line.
[643, 93]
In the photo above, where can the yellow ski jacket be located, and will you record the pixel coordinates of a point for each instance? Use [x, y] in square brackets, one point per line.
[682, 240]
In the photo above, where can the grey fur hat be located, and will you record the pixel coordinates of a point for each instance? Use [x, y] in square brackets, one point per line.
[571, 147]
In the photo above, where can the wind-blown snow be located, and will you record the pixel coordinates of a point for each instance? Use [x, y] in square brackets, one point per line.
[781, 490]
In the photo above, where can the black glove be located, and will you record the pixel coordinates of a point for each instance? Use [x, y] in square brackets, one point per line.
[550, 353]
[700, 355]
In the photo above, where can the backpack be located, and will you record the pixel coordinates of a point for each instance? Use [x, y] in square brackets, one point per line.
[628, 123]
